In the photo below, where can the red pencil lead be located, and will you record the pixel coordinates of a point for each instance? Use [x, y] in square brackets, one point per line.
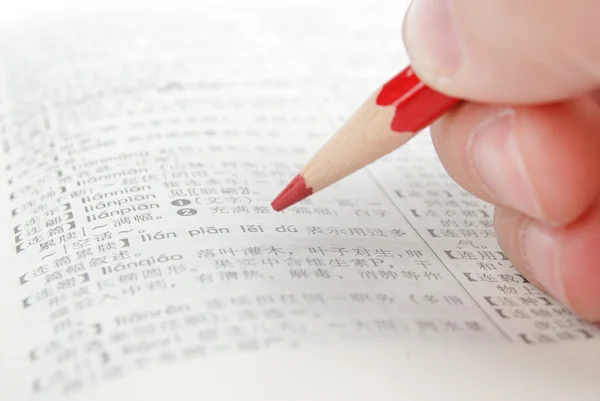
[295, 191]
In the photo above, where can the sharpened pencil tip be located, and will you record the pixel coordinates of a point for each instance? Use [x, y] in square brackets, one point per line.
[293, 193]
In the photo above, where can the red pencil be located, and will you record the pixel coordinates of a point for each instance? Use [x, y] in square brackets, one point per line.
[387, 120]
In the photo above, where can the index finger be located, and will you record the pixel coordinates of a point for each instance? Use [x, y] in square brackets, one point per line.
[506, 51]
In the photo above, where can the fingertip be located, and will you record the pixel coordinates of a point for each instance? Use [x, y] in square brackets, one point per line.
[562, 262]
[432, 41]
[509, 225]
[463, 49]
[543, 161]
[560, 148]
[580, 265]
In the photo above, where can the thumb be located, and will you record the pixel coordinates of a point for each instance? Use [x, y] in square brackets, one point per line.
[506, 51]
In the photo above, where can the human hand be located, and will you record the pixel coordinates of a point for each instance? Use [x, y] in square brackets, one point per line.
[528, 139]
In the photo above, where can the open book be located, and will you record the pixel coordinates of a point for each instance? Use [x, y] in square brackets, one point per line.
[141, 259]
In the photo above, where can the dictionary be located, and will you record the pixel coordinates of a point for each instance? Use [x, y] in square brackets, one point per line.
[142, 144]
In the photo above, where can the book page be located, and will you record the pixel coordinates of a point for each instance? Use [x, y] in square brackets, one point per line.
[141, 153]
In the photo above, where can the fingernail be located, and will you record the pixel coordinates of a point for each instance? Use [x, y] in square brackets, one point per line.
[431, 39]
[540, 249]
[498, 164]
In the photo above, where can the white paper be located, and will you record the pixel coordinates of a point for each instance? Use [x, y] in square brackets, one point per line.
[142, 152]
